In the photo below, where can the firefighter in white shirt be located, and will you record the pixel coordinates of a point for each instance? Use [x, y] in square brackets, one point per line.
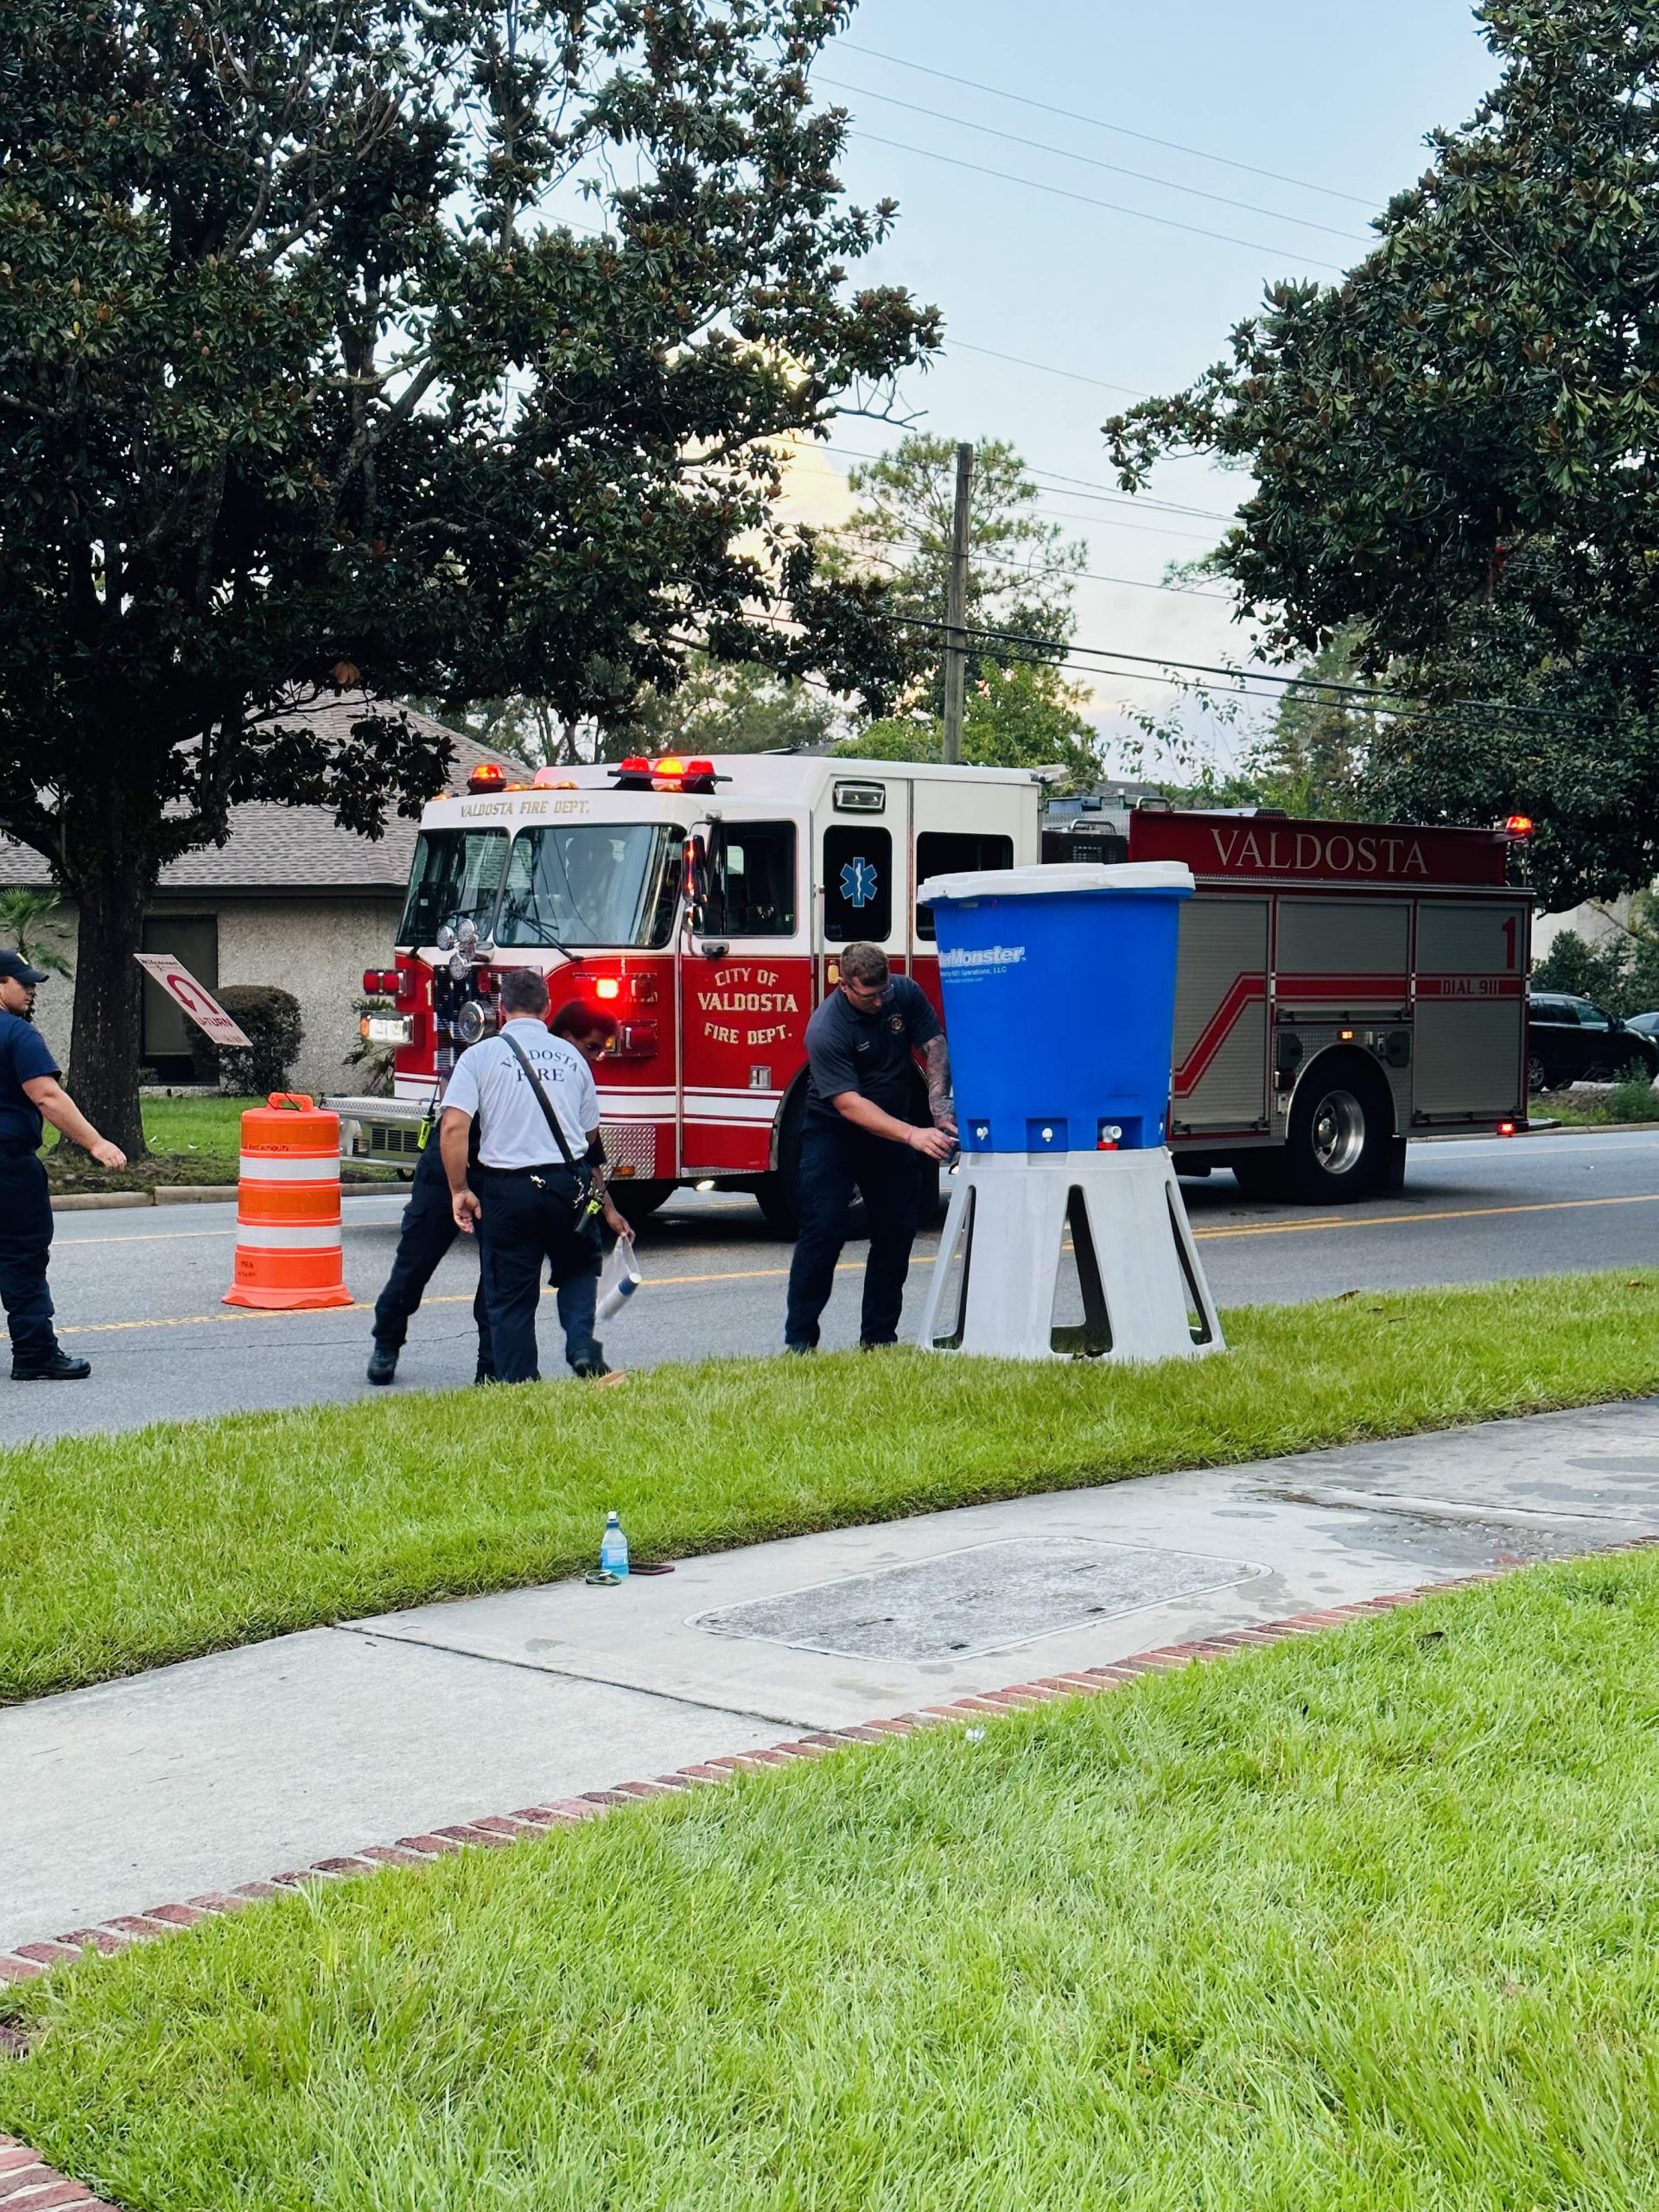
[537, 1194]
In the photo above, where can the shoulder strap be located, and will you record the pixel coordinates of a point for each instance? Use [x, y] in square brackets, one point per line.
[543, 1100]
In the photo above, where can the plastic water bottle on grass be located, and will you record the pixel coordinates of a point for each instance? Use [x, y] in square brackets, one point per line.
[614, 1548]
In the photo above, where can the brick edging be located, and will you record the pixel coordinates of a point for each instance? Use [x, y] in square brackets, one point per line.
[29, 2185]
[27, 1961]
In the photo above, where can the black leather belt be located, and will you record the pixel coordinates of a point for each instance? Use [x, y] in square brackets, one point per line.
[553, 1167]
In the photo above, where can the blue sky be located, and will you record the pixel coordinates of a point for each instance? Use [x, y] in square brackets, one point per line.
[1328, 94]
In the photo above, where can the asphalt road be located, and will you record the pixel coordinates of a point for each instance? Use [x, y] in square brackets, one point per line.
[139, 1292]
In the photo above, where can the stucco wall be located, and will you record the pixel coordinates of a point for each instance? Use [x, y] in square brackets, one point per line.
[318, 949]
[1593, 922]
[54, 1000]
[315, 948]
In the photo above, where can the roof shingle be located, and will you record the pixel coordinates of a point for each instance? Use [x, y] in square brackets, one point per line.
[283, 849]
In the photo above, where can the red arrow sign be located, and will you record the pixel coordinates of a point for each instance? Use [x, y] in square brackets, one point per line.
[203, 1008]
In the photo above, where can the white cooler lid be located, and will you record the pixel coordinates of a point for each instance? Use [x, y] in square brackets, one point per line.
[1060, 876]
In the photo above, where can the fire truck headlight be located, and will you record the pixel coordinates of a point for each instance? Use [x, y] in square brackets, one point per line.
[476, 1019]
[387, 1028]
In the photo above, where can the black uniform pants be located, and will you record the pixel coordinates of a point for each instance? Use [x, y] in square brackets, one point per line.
[526, 1220]
[25, 1248]
[836, 1160]
[427, 1232]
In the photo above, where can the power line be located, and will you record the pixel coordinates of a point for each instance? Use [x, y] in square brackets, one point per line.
[1100, 494]
[1086, 199]
[1382, 696]
[1048, 650]
[1099, 122]
[1047, 368]
[1093, 161]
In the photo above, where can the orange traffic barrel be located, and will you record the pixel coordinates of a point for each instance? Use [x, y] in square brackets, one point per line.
[288, 1250]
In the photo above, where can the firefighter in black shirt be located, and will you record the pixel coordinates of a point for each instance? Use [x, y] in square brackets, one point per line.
[857, 1133]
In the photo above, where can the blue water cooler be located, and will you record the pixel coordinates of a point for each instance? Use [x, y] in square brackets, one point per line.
[1067, 1236]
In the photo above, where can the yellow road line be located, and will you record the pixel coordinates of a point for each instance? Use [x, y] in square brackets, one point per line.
[1399, 1220]
[923, 1259]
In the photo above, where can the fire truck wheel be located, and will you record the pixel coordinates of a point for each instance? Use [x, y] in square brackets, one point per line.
[637, 1202]
[1338, 1145]
[777, 1195]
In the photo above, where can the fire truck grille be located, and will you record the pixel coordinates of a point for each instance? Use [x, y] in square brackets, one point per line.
[631, 1145]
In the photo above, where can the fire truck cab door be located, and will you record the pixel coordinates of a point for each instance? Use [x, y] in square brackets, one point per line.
[745, 987]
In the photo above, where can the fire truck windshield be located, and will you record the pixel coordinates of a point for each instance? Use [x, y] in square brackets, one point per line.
[592, 883]
[455, 877]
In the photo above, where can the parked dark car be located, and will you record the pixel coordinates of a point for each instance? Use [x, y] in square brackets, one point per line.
[1570, 1040]
[1645, 1024]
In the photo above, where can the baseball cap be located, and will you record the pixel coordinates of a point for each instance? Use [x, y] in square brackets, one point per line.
[17, 970]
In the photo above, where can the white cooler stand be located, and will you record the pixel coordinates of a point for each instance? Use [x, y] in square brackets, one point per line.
[1141, 1288]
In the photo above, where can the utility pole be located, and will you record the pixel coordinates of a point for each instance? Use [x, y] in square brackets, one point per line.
[955, 607]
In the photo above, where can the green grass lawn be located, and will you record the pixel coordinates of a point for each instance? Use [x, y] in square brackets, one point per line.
[210, 1128]
[1364, 1923]
[1635, 1101]
[121, 1552]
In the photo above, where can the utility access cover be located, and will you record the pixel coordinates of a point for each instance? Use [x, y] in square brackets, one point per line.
[960, 1603]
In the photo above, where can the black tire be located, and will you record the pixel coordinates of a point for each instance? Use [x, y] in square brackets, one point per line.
[1537, 1074]
[637, 1202]
[1261, 1174]
[1339, 1145]
[778, 1195]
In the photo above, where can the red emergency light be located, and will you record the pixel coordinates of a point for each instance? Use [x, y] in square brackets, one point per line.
[1506, 1128]
[488, 776]
[672, 772]
[380, 983]
[1518, 825]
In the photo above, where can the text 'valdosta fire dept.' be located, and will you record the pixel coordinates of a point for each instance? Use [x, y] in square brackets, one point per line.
[1342, 985]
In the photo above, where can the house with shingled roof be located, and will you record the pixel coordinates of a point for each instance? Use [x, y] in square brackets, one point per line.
[290, 898]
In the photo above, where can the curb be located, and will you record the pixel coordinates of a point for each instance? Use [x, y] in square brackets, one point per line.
[164, 1194]
[28, 2184]
[192, 1194]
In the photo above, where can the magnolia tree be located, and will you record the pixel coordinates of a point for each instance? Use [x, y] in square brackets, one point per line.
[1456, 454]
[421, 347]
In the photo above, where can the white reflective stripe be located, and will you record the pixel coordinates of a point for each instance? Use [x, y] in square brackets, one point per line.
[264, 1167]
[733, 1105]
[287, 1235]
[614, 1099]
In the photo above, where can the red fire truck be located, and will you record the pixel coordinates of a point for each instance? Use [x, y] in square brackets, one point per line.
[1342, 986]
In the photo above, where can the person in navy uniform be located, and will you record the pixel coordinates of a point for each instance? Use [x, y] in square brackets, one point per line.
[428, 1227]
[519, 1195]
[858, 1134]
[30, 1095]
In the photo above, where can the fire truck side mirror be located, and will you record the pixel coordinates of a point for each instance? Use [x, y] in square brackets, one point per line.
[696, 881]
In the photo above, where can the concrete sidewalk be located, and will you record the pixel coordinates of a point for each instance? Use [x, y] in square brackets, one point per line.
[229, 1769]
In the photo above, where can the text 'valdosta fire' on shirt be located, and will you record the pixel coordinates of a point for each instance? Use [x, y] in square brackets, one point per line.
[513, 1129]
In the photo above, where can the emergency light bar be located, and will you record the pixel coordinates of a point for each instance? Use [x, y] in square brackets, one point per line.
[488, 776]
[670, 774]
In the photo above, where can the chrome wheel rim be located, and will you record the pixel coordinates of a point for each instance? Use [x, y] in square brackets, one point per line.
[1339, 1131]
[1535, 1073]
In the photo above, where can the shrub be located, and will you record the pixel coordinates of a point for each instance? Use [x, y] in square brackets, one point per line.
[1633, 1099]
[270, 1017]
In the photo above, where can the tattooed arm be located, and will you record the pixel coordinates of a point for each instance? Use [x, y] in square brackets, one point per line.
[937, 1058]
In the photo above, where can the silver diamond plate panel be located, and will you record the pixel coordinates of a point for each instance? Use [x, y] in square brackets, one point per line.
[631, 1144]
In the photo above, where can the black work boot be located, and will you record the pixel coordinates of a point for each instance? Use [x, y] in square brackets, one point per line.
[383, 1363]
[60, 1368]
